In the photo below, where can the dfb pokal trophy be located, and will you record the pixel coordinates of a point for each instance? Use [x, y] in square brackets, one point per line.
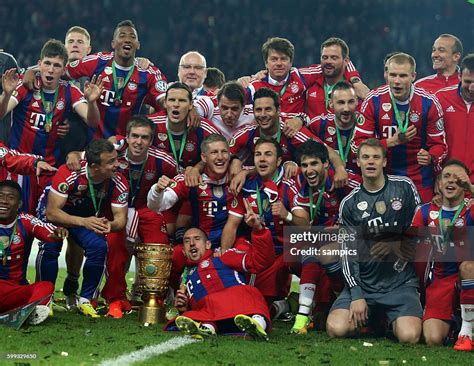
[154, 267]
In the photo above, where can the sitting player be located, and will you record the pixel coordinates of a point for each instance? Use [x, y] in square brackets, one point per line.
[215, 286]
[17, 232]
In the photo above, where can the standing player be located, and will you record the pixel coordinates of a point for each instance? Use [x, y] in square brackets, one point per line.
[458, 111]
[172, 132]
[317, 195]
[446, 52]
[337, 130]
[17, 232]
[270, 123]
[231, 112]
[92, 202]
[409, 122]
[441, 293]
[383, 206]
[214, 80]
[335, 67]
[127, 86]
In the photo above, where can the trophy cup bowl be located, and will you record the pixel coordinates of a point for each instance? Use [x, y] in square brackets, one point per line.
[154, 267]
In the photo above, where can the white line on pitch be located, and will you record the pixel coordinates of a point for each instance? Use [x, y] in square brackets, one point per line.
[148, 352]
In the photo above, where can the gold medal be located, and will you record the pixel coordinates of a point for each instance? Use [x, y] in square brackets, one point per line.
[117, 102]
[47, 127]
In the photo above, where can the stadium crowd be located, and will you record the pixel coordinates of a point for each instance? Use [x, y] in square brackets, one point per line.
[103, 151]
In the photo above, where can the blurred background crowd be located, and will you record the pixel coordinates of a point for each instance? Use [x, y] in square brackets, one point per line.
[230, 32]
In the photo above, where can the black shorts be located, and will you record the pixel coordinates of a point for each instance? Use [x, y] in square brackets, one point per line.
[403, 301]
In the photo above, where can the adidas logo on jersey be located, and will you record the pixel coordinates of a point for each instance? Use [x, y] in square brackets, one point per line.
[313, 94]
[203, 194]
[365, 214]
[450, 109]
[385, 116]
[35, 104]
[106, 79]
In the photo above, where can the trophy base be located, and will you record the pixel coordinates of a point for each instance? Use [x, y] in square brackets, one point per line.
[152, 314]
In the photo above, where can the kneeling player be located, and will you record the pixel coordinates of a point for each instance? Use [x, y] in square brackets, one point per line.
[382, 206]
[441, 293]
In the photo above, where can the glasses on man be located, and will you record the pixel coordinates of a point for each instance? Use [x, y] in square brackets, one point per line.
[192, 67]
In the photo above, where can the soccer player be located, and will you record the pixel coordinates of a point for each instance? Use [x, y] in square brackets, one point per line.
[127, 86]
[37, 115]
[270, 123]
[317, 195]
[17, 232]
[211, 200]
[214, 80]
[335, 66]
[231, 112]
[172, 132]
[273, 197]
[91, 202]
[206, 307]
[446, 52]
[382, 208]
[409, 122]
[456, 102]
[78, 45]
[441, 293]
[337, 130]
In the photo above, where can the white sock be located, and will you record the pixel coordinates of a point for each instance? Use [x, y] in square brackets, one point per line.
[209, 326]
[467, 315]
[260, 320]
[305, 300]
[83, 300]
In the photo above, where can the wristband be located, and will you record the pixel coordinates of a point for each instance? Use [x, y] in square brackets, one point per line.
[289, 217]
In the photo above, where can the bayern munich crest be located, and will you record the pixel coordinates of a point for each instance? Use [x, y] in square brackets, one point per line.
[414, 117]
[294, 88]
[16, 239]
[189, 146]
[60, 105]
[149, 174]
[397, 204]
[132, 86]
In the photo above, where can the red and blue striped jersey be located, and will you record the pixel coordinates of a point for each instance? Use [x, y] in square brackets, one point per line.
[192, 150]
[140, 180]
[74, 185]
[144, 86]
[28, 134]
[28, 227]
[282, 189]
[425, 114]
[446, 255]
[210, 203]
[243, 142]
[324, 127]
[328, 212]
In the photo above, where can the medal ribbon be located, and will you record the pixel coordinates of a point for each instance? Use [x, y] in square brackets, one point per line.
[119, 91]
[134, 190]
[181, 148]
[3, 250]
[313, 210]
[49, 115]
[91, 189]
[259, 199]
[402, 127]
[342, 153]
[278, 137]
[440, 219]
[283, 90]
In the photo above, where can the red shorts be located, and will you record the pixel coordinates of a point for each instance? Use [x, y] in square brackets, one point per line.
[151, 227]
[13, 295]
[441, 298]
[274, 281]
